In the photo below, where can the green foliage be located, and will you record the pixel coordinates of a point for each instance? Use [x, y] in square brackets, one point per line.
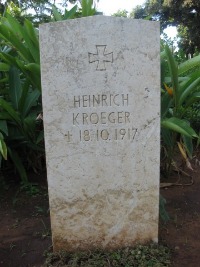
[121, 13]
[184, 92]
[20, 93]
[57, 16]
[30, 189]
[87, 8]
[192, 114]
[23, 45]
[18, 123]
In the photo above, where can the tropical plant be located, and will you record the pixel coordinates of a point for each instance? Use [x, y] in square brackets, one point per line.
[182, 89]
[20, 90]
[20, 130]
[23, 44]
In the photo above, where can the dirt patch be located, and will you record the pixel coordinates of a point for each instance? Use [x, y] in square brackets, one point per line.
[182, 232]
[25, 224]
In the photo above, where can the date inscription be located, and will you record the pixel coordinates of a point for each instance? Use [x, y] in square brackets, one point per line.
[102, 135]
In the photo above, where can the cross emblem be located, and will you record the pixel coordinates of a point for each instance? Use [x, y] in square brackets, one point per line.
[101, 57]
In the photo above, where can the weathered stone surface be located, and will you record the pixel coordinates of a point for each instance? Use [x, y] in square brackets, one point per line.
[101, 89]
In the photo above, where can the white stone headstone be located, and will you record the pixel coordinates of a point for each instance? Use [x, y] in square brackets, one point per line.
[101, 103]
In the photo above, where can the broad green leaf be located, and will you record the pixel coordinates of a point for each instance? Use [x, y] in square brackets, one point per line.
[15, 89]
[3, 148]
[11, 112]
[87, 9]
[18, 164]
[33, 33]
[33, 67]
[30, 101]
[56, 14]
[15, 26]
[4, 66]
[9, 59]
[84, 8]
[189, 88]
[33, 50]
[189, 65]
[32, 72]
[71, 13]
[32, 45]
[179, 126]
[3, 127]
[15, 42]
[189, 79]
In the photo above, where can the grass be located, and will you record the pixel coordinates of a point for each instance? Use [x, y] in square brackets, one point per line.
[151, 255]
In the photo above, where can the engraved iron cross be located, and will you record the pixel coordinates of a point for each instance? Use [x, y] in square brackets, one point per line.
[101, 57]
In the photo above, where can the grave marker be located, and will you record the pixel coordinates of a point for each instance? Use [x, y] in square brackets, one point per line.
[101, 103]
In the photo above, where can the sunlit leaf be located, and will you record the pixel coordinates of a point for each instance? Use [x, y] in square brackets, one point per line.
[56, 14]
[189, 65]
[4, 66]
[69, 14]
[179, 126]
[3, 148]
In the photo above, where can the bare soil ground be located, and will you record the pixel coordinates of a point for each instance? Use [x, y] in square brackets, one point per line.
[25, 224]
[182, 232]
